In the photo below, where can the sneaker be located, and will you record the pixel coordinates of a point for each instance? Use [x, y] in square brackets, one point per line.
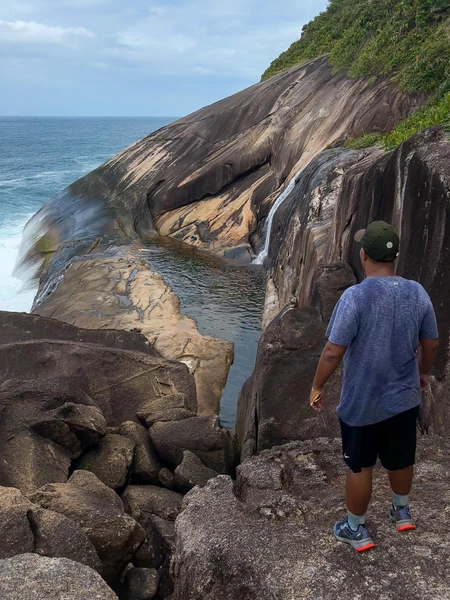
[401, 516]
[360, 539]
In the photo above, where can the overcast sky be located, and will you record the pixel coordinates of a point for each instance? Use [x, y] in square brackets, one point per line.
[138, 57]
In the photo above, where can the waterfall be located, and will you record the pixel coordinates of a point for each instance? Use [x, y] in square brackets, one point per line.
[259, 260]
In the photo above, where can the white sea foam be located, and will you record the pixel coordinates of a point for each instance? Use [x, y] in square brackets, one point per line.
[14, 296]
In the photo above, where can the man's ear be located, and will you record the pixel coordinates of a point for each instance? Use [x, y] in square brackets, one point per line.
[362, 255]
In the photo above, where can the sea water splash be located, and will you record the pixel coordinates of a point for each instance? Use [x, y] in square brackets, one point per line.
[259, 260]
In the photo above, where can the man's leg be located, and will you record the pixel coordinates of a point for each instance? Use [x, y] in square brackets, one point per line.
[401, 481]
[359, 491]
[397, 454]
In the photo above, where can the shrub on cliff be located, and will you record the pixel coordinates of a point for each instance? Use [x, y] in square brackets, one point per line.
[408, 38]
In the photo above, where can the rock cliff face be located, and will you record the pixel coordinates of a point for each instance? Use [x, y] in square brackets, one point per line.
[337, 194]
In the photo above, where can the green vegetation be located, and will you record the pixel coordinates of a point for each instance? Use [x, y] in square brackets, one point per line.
[408, 40]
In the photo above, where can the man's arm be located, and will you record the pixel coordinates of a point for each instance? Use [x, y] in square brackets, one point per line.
[428, 353]
[331, 358]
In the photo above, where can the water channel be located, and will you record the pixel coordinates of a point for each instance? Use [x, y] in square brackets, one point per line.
[225, 299]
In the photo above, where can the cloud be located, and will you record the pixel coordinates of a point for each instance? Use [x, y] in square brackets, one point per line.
[139, 57]
[32, 32]
[235, 37]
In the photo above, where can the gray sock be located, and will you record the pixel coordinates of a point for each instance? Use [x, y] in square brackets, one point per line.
[399, 500]
[355, 521]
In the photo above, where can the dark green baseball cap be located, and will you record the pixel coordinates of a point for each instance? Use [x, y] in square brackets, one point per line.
[380, 241]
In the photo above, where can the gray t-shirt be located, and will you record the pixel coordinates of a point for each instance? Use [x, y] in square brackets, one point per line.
[381, 321]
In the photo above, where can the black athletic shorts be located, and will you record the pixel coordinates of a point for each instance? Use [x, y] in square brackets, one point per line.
[393, 440]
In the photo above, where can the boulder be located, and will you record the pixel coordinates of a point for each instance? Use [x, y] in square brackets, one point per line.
[117, 381]
[45, 423]
[113, 533]
[31, 577]
[143, 500]
[110, 460]
[258, 538]
[166, 478]
[273, 406]
[16, 536]
[174, 407]
[141, 584]
[146, 466]
[90, 482]
[59, 537]
[201, 435]
[192, 472]
[25, 527]
[154, 549]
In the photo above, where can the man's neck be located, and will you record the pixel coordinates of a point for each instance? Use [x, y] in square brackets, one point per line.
[374, 270]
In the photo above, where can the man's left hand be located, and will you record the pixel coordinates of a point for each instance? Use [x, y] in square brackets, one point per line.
[317, 400]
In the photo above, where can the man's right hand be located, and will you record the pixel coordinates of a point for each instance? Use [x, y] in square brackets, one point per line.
[316, 400]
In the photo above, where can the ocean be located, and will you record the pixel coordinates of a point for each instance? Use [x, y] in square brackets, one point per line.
[38, 158]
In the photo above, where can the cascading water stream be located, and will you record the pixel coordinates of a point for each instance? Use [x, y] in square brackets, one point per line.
[259, 260]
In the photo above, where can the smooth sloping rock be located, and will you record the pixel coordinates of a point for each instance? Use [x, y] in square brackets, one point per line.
[258, 538]
[22, 327]
[16, 536]
[142, 500]
[201, 435]
[110, 460]
[146, 466]
[59, 537]
[32, 577]
[192, 472]
[141, 584]
[114, 534]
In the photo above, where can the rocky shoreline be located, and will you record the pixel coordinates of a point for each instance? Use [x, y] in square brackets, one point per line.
[112, 452]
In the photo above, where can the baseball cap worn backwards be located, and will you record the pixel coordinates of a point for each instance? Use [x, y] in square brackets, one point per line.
[380, 241]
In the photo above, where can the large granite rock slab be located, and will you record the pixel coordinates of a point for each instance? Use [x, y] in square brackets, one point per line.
[269, 535]
[31, 577]
[209, 178]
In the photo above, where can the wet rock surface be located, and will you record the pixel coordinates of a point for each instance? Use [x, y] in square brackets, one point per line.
[269, 535]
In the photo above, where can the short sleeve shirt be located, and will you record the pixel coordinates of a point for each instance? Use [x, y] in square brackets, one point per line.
[380, 321]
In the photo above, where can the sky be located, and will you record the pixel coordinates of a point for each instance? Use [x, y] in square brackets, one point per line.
[138, 57]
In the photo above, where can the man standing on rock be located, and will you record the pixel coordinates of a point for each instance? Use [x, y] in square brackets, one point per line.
[378, 328]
